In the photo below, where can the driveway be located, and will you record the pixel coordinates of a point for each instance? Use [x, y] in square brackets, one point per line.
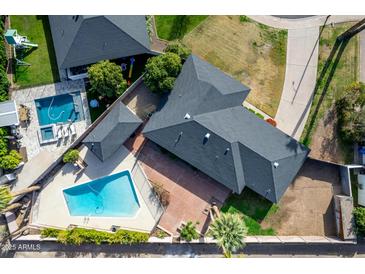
[301, 67]
[306, 208]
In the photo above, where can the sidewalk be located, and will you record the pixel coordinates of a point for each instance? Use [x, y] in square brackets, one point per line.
[300, 80]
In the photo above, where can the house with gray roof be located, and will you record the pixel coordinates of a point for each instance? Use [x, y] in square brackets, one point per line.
[112, 131]
[81, 40]
[204, 123]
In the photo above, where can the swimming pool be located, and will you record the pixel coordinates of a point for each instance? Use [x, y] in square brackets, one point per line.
[59, 108]
[110, 196]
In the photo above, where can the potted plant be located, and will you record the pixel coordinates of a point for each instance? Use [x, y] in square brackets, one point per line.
[71, 156]
[188, 232]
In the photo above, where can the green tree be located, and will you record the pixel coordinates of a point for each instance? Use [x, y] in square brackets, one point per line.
[5, 197]
[188, 232]
[179, 49]
[229, 230]
[71, 156]
[351, 113]
[10, 161]
[359, 214]
[106, 79]
[161, 72]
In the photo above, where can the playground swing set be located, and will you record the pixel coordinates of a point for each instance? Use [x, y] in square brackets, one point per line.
[19, 43]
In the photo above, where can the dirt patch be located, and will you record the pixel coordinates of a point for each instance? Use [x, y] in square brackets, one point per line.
[306, 208]
[325, 143]
[252, 53]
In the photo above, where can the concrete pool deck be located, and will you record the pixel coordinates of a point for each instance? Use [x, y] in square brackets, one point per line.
[50, 208]
[30, 131]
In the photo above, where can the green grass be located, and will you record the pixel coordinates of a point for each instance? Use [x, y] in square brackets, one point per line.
[254, 209]
[335, 79]
[43, 69]
[171, 27]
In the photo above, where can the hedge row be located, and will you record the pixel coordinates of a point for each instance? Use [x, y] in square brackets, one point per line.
[4, 83]
[78, 236]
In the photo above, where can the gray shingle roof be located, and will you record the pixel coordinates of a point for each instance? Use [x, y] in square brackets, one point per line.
[82, 40]
[116, 127]
[242, 150]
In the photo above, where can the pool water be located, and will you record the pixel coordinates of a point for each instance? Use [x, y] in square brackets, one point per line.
[110, 196]
[59, 109]
[47, 133]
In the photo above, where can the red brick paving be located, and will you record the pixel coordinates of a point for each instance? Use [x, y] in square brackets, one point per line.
[191, 191]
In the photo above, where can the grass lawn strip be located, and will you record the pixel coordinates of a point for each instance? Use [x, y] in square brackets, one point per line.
[171, 27]
[254, 209]
[43, 69]
[345, 72]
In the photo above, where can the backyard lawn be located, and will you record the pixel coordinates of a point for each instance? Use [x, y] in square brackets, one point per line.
[251, 52]
[171, 27]
[43, 69]
[333, 76]
[254, 209]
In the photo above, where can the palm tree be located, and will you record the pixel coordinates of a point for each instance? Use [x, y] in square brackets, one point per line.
[5, 197]
[229, 230]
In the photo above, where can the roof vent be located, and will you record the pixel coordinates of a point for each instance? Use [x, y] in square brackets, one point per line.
[276, 164]
[206, 138]
[187, 116]
[227, 150]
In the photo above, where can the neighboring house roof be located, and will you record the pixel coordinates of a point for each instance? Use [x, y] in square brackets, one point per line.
[82, 40]
[240, 149]
[8, 114]
[111, 132]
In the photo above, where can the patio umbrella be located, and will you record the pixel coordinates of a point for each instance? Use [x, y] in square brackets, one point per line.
[94, 103]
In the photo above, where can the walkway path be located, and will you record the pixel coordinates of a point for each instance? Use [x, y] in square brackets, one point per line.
[301, 67]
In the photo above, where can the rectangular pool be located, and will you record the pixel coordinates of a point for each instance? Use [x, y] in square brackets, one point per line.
[110, 196]
[59, 109]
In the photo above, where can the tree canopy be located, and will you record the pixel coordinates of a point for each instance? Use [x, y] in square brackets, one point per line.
[161, 72]
[351, 113]
[106, 79]
[179, 49]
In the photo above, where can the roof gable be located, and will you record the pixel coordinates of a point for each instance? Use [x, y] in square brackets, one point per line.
[89, 39]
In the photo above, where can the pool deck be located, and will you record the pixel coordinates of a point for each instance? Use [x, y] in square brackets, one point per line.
[29, 131]
[50, 208]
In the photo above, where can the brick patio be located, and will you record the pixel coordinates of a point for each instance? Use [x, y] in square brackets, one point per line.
[191, 191]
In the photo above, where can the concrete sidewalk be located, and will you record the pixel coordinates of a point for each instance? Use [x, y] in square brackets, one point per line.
[300, 80]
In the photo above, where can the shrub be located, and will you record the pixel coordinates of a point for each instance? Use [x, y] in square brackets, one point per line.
[161, 193]
[71, 156]
[179, 49]
[10, 161]
[4, 85]
[260, 115]
[78, 236]
[3, 146]
[359, 214]
[106, 79]
[244, 19]
[161, 72]
[5, 197]
[50, 233]
[188, 232]
[351, 110]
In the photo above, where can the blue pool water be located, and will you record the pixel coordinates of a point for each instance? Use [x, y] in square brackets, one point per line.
[47, 133]
[60, 108]
[110, 196]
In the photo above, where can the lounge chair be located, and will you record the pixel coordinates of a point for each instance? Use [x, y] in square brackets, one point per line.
[72, 129]
[59, 133]
[7, 178]
[65, 132]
